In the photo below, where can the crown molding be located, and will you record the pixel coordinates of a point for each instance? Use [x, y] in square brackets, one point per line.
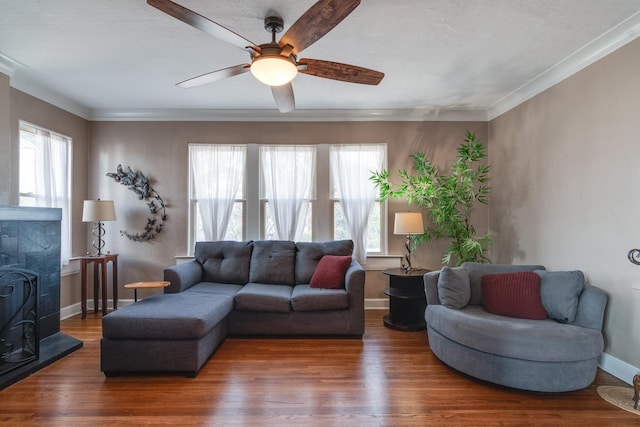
[329, 115]
[30, 87]
[8, 65]
[623, 33]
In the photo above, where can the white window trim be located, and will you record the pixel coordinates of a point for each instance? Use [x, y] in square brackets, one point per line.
[322, 205]
[25, 126]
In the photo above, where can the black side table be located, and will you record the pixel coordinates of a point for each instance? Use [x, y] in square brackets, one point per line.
[407, 301]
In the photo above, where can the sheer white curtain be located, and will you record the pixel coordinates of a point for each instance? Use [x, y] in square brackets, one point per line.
[288, 174]
[217, 175]
[53, 182]
[351, 167]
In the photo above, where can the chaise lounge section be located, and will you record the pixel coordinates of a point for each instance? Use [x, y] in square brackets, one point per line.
[238, 288]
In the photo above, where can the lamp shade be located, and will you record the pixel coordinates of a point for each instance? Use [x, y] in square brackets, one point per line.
[273, 70]
[98, 210]
[408, 223]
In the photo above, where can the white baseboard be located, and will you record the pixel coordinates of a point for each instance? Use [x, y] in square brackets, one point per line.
[376, 304]
[70, 311]
[73, 309]
[618, 368]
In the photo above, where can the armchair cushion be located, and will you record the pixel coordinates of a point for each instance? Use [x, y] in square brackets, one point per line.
[513, 295]
[560, 291]
[454, 290]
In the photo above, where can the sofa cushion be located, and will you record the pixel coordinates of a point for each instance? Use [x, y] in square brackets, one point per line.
[538, 340]
[224, 261]
[310, 253]
[330, 272]
[215, 288]
[513, 294]
[454, 290]
[560, 291]
[264, 297]
[477, 270]
[273, 262]
[306, 298]
[184, 315]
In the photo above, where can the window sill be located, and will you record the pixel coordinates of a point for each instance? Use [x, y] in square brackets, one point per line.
[374, 262]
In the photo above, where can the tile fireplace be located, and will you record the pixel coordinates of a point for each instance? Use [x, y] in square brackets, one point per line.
[30, 336]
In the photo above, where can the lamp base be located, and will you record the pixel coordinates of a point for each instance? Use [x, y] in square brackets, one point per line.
[98, 242]
[405, 263]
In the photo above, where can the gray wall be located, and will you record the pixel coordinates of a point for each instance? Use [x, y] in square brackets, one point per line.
[566, 191]
[159, 150]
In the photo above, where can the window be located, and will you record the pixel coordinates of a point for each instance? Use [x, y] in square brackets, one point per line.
[45, 176]
[287, 187]
[216, 189]
[356, 204]
[291, 184]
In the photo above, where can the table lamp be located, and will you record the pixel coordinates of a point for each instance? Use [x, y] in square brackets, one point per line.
[408, 223]
[98, 211]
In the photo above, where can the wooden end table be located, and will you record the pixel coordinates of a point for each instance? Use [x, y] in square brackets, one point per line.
[407, 301]
[144, 285]
[100, 263]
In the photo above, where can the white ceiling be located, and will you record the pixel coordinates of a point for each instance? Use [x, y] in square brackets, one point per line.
[447, 59]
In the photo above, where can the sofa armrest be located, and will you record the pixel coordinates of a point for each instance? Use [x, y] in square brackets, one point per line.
[431, 287]
[591, 307]
[182, 276]
[354, 279]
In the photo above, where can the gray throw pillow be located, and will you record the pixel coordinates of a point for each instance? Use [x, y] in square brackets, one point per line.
[560, 291]
[454, 290]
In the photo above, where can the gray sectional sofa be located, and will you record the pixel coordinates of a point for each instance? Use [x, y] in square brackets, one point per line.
[556, 354]
[239, 288]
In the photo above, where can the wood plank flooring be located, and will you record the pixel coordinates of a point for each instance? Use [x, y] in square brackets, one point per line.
[389, 378]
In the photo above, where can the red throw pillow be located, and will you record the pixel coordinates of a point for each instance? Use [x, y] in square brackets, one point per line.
[330, 272]
[513, 295]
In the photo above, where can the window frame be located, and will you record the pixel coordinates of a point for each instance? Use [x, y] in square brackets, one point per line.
[263, 196]
[383, 205]
[322, 205]
[192, 201]
[32, 129]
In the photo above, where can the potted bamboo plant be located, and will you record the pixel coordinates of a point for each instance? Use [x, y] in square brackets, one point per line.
[448, 199]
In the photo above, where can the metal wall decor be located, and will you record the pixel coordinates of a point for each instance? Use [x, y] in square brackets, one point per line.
[139, 184]
[634, 256]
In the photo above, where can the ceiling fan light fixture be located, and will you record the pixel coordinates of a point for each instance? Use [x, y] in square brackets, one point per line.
[274, 70]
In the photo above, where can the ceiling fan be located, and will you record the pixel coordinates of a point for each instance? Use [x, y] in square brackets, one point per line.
[276, 63]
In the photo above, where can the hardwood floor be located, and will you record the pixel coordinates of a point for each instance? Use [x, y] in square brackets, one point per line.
[387, 378]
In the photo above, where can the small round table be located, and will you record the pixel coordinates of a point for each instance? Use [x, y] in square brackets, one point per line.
[144, 285]
[407, 301]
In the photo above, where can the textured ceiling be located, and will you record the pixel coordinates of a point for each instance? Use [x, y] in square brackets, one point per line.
[102, 57]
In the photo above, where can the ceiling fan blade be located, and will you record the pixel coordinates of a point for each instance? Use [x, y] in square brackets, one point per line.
[200, 22]
[284, 98]
[316, 22]
[337, 71]
[215, 76]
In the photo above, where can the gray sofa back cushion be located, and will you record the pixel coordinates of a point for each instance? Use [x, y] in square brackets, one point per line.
[477, 270]
[310, 253]
[273, 262]
[224, 261]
